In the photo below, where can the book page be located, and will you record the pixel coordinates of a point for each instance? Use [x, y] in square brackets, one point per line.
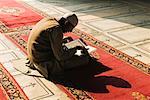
[78, 42]
[75, 43]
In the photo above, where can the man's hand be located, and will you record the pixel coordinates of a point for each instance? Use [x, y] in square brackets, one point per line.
[67, 39]
[83, 49]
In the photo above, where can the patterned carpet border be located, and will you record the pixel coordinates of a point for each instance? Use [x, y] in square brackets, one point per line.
[10, 86]
[116, 53]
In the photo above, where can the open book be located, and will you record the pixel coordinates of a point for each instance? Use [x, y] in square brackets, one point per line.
[79, 42]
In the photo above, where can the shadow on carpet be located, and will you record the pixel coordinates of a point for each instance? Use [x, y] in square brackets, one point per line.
[88, 78]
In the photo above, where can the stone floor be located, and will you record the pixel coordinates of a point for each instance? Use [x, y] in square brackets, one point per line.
[122, 24]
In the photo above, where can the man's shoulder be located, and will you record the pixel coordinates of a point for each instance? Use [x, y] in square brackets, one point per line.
[47, 22]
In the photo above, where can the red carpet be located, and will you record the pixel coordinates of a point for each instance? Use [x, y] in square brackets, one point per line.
[13, 15]
[114, 76]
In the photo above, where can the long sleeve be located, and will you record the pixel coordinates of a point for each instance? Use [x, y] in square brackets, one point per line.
[56, 38]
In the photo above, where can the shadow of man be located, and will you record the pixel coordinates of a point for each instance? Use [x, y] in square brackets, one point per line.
[84, 78]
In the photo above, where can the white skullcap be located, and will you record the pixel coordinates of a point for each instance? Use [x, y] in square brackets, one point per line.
[72, 18]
